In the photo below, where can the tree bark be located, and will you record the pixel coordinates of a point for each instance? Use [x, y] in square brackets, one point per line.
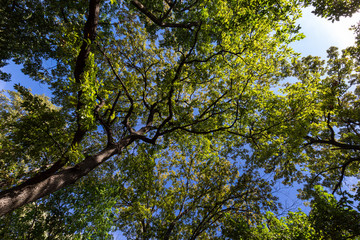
[29, 191]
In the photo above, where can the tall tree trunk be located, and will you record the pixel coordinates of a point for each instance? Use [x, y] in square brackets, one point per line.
[54, 178]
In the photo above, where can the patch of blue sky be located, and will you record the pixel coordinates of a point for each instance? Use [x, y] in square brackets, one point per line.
[18, 77]
[322, 34]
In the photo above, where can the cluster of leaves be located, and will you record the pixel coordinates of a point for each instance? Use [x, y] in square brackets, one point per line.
[32, 135]
[30, 30]
[166, 114]
[185, 190]
[328, 219]
[333, 10]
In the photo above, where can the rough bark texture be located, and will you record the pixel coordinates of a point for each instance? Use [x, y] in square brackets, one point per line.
[25, 193]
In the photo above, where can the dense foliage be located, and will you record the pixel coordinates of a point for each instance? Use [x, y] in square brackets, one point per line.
[175, 120]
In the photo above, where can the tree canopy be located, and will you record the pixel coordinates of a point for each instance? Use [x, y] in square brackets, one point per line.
[175, 120]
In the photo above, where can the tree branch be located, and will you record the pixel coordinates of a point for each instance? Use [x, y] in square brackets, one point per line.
[343, 168]
[29, 191]
[333, 143]
[160, 21]
[89, 36]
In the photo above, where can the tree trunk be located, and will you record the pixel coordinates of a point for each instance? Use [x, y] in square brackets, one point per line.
[28, 192]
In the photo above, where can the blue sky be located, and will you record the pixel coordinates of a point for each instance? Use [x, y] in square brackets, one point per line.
[322, 34]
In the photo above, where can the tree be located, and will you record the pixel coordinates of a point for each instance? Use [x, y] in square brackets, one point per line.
[318, 141]
[338, 137]
[29, 31]
[164, 117]
[333, 10]
[138, 72]
[328, 219]
[185, 191]
[334, 219]
[296, 225]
